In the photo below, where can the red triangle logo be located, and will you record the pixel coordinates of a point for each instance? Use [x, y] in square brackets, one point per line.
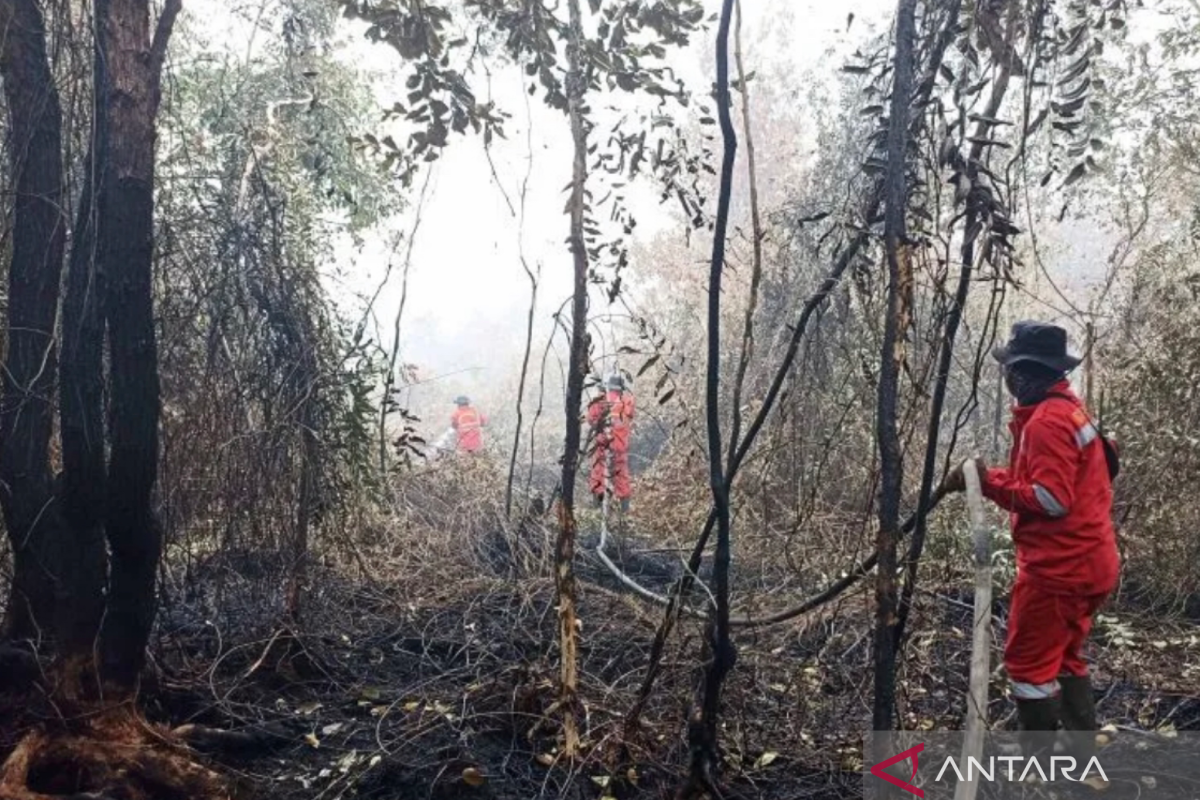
[878, 770]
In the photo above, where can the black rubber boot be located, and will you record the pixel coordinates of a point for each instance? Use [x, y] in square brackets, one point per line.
[1039, 720]
[1079, 717]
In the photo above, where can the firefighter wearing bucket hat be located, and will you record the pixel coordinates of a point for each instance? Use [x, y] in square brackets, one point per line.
[1057, 488]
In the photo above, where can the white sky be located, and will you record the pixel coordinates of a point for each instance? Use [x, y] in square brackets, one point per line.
[468, 296]
[467, 293]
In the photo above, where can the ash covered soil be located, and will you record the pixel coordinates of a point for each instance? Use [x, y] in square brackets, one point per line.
[441, 683]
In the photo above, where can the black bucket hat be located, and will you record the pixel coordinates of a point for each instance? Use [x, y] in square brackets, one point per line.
[1040, 343]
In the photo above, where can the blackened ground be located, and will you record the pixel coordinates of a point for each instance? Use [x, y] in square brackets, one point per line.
[440, 683]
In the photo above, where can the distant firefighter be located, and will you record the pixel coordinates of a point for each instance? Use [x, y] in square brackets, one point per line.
[611, 415]
[468, 426]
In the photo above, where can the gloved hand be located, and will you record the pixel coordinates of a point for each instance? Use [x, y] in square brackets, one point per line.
[956, 481]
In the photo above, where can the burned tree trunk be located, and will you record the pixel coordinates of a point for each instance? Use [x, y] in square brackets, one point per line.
[308, 393]
[564, 549]
[899, 290]
[38, 242]
[128, 92]
[719, 651]
[81, 420]
[756, 272]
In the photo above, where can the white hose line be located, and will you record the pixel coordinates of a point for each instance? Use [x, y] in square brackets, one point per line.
[977, 698]
[613, 568]
[616, 571]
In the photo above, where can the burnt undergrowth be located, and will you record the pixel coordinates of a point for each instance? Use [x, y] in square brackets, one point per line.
[434, 678]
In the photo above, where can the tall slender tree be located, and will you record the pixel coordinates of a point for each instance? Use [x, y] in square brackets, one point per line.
[719, 647]
[564, 550]
[895, 192]
[130, 57]
[61, 568]
[38, 242]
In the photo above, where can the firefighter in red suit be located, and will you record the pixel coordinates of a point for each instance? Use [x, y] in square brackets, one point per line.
[468, 426]
[1058, 491]
[611, 416]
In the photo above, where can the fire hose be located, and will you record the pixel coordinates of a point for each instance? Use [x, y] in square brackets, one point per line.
[831, 592]
[977, 695]
[617, 572]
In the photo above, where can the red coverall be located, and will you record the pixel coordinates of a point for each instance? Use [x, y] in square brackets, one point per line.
[611, 416]
[1059, 494]
[467, 422]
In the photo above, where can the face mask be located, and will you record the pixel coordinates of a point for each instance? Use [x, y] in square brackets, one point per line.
[1029, 388]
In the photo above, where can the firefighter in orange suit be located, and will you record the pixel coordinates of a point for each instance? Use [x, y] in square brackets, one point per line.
[1058, 490]
[468, 426]
[611, 416]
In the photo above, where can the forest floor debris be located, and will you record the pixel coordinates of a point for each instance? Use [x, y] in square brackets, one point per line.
[441, 688]
[105, 753]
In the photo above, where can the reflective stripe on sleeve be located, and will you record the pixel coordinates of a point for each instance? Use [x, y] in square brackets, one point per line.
[1086, 435]
[1048, 502]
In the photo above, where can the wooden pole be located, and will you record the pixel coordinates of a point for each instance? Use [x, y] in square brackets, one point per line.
[977, 698]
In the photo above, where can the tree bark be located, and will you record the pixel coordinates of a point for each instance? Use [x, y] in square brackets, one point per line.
[128, 93]
[899, 287]
[81, 401]
[739, 382]
[564, 549]
[719, 650]
[520, 407]
[38, 242]
[81, 422]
